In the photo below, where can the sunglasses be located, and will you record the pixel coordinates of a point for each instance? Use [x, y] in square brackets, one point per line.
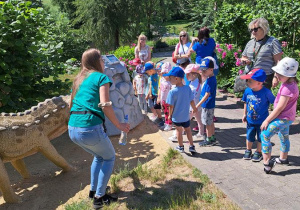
[254, 29]
[183, 35]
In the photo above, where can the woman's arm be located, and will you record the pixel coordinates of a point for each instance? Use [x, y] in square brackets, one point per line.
[283, 100]
[276, 58]
[136, 52]
[245, 60]
[149, 54]
[108, 110]
[177, 51]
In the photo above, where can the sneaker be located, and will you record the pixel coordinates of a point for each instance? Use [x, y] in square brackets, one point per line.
[167, 127]
[153, 118]
[268, 168]
[283, 162]
[214, 140]
[92, 193]
[192, 148]
[196, 128]
[205, 143]
[104, 200]
[247, 155]
[180, 148]
[161, 123]
[257, 156]
[198, 135]
[173, 138]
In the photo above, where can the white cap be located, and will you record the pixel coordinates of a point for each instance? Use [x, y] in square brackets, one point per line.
[215, 63]
[287, 67]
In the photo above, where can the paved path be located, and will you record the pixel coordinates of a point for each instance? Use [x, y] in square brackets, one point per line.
[244, 181]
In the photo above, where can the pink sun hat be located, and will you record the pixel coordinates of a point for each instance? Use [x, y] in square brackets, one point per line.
[166, 67]
[192, 68]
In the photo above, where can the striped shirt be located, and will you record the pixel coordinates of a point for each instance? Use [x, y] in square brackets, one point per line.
[264, 58]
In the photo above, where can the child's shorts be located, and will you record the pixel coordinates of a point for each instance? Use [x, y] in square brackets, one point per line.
[252, 130]
[152, 103]
[207, 116]
[183, 124]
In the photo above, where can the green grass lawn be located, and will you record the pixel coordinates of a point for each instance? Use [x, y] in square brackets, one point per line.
[175, 26]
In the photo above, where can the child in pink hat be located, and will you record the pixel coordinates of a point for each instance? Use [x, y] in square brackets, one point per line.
[164, 88]
[193, 75]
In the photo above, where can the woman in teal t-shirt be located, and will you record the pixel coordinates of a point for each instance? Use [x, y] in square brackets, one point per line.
[90, 87]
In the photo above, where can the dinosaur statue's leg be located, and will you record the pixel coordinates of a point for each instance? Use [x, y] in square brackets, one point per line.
[19, 165]
[7, 191]
[48, 150]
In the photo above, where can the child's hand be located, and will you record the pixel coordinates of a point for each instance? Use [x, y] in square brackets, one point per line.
[244, 119]
[158, 101]
[264, 125]
[150, 96]
[147, 97]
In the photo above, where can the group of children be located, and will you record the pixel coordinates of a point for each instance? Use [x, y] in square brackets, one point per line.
[190, 91]
[183, 92]
[260, 123]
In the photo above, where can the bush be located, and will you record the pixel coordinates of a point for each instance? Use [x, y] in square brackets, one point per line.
[29, 53]
[229, 64]
[160, 44]
[231, 24]
[172, 41]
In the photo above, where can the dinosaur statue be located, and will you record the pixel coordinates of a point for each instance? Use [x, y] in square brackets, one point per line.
[25, 133]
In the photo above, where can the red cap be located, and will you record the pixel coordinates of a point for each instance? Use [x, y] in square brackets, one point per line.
[255, 74]
[136, 61]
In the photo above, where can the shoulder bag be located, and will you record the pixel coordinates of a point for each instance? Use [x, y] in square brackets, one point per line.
[240, 84]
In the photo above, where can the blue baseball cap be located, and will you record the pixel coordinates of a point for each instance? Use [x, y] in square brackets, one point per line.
[206, 63]
[255, 74]
[148, 66]
[176, 72]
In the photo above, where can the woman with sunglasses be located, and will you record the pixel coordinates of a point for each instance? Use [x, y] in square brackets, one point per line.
[142, 51]
[182, 48]
[262, 51]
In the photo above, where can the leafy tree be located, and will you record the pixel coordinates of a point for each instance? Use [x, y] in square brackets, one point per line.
[231, 24]
[29, 53]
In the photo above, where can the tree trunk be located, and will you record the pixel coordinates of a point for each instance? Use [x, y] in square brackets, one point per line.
[117, 38]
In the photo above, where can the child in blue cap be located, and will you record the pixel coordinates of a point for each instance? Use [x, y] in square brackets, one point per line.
[257, 100]
[208, 100]
[180, 98]
[152, 93]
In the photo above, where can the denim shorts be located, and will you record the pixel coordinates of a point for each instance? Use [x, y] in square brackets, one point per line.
[183, 124]
[252, 130]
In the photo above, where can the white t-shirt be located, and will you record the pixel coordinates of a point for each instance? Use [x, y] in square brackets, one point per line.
[165, 87]
[141, 82]
[183, 49]
[196, 89]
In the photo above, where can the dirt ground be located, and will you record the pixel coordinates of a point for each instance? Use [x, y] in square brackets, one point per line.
[49, 188]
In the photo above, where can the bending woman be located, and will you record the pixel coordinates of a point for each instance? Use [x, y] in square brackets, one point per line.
[90, 87]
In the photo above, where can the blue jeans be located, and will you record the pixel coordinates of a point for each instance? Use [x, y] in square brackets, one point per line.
[95, 141]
